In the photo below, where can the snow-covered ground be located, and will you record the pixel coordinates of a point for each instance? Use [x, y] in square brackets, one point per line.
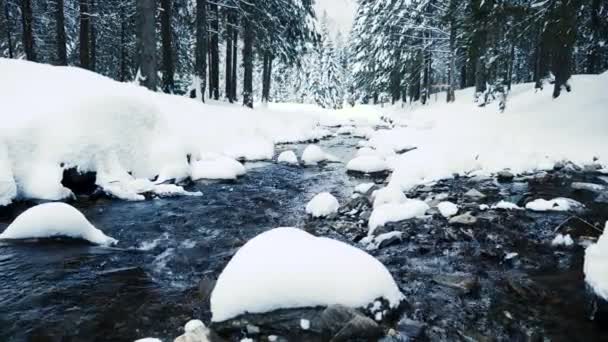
[55, 118]
[533, 133]
[289, 268]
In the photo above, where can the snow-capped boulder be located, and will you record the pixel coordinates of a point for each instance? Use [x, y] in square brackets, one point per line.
[217, 167]
[556, 204]
[395, 212]
[288, 157]
[194, 331]
[322, 205]
[389, 194]
[447, 209]
[364, 188]
[314, 155]
[367, 164]
[287, 268]
[596, 265]
[562, 240]
[505, 205]
[55, 220]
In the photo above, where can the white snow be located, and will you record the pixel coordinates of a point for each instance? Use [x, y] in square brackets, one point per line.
[367, 164]
[363, 188]
[534, 132]
[322, 205]
[288, 157]
[388, 194]
[556, 204]
[447, 209]
[149, 339]
[395, 212]
[505, 205]
[194, 331]
[288, 268]
[119, 129]
[304, 324]
[55, 220]
[373, 242]
[596, 265]
[314, 155]
[562, 240]
[484, 207]
[217, 167]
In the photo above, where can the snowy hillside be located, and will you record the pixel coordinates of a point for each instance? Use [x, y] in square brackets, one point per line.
[61, 117]
[534, 133]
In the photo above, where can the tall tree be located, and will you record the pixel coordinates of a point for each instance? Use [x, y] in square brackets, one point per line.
[146, 43]
[248, 41]
[200, 71]
[62, 55]
[168, 66]
[27, 19]
[228, 56]
[85, 35]
[7, 19]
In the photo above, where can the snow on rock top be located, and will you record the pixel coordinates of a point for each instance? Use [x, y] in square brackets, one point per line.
[55, 220]
[217, 167]
[367, 164]
[556, 204]
[505, 205]
[288, 268]
[322, 205]
[447, 209]
[288, 157]
[596, 265]
[389, 194]
[314, 155]
[395, 212]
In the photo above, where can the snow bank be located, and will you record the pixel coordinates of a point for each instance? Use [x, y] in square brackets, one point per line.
[288, 157]
[534, 132]
[388, 194]
[55, 220]
[289, 268]
[122, 129]
[322, 205]
[556, 204]
[596, 265]
[447, 209]
[367, 164]
[217, 167]
[395, 212]
[363, 188]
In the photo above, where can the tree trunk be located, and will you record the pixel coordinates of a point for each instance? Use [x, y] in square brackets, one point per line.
[146, 42]
[62, 54]
[563, 36]
[267, 76]
[593, 57]
[235, 50]
[167, 46]
[93, 37]
[228, 88]
[451, 95]
[9, 38]
[201, 48]
[123, 44]
[27, 19]
[248, 39]
[84, 50]
[214, 66]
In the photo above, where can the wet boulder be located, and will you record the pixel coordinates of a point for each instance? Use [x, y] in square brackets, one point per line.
[505, 176]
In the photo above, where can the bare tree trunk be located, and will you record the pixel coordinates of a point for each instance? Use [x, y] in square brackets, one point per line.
[214, 70]
[201, 47]
[167, 46]
[248, 39]
[235, 49]
[146, 42]
[123, 44]
[9, 38]
[93, 37]
[267, 76]
[84, 50]
[62, 55]
[229, 28]
[27, 19]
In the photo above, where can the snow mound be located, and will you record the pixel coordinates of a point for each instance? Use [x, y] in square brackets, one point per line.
[447, 209]
[596, 265]
[217, 167]
[314, 155]
[55, 220]
[562, 240]
[386, 195]
[395, 212]
[367, 164]
[322, 205]
[505, 205]
[363, 188]
[288, 268]
[288, 157]
[556, 204]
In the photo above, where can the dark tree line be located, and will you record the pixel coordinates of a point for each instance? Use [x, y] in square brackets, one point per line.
[177, 46]
[413, 48]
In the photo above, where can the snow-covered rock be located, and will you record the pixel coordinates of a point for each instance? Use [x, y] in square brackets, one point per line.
[395, 212]
[596, 265]
[55, 220]
[288, 157]
[562, 240]
[505, 205]
[447, 209]
[314, 155]
[556, 204]
[367, 164]
[322, 205]
[288, 268]
[149, 339]
[389, 194]
[194, 331]
[217, 167]
[363, 188]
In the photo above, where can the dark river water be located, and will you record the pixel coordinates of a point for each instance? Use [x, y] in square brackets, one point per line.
[148, 285]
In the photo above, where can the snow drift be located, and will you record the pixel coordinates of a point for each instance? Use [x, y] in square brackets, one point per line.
[596, 265]
[289, 268]
[55, 220]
